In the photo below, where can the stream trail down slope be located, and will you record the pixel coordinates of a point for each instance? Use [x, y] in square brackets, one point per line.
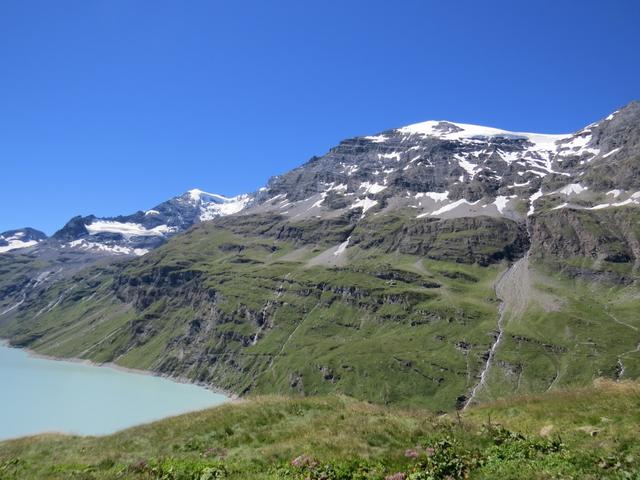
[512, 289]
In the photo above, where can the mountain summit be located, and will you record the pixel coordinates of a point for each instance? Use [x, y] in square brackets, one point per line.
[447, 169]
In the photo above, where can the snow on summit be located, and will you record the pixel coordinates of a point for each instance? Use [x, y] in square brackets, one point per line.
[197, 195]
[213, 205]
[463, 131]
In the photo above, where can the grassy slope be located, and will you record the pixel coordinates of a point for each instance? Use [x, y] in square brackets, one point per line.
[578, 331]
[321, 329]
[385, 327]
[588, 433]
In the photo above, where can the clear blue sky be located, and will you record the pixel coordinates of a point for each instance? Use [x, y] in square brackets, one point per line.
[108, 107]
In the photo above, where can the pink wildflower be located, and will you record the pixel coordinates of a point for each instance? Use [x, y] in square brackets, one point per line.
[411, 453]
[396, 476]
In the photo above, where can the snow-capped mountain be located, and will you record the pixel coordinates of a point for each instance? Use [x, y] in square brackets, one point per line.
[447, 169]
[137, 233]
[38, 262]
[20, 238]
[437, 168]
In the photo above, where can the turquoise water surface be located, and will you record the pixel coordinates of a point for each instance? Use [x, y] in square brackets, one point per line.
[38, 395]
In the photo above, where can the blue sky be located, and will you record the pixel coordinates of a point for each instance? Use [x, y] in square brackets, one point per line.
[107, 107]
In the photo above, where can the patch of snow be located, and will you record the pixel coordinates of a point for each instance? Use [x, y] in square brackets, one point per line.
[15, 244]
[377, 138]
[633, 200]
[231, 205]
[449, 207]
[532, 200]
[510, 157]
[612, 152]
[342, 247]
[459, 131]
[601, 206]
[389, 156]
[572, 189]
[197, 195]
[317, 204]
[127, 229]
[338, 188]
[437, 196]
[614, 193]
[577, 145]
[560, 206]
[501, 202]
[469, 167]
[372, 187]
[101, 247]
[365, 203]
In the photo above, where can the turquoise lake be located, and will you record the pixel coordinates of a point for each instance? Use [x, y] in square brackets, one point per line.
[39, 395]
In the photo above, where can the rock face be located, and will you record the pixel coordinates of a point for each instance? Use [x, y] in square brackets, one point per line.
[607, 235]
[445, 169]
[482, 240]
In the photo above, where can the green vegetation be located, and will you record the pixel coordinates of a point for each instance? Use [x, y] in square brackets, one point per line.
[589, 433]
[258, 304]
[570, 331]
[251, 313]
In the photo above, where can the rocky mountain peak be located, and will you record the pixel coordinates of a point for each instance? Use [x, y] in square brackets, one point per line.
[20, 238]
[448, 169]
[137, 233]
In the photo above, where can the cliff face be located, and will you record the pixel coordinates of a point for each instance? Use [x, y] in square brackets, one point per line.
[481, 240]
[587, 242]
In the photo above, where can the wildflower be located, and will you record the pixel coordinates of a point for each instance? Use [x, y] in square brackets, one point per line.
[411, 453]
[396, 476]
[304, 461]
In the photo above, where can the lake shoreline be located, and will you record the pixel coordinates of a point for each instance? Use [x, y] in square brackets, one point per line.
[232, 397]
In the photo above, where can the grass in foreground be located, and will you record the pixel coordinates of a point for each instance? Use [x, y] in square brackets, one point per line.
[586, 433]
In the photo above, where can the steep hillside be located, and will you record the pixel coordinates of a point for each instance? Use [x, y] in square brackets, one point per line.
[438, 264]
[275, 311]
[389, 309]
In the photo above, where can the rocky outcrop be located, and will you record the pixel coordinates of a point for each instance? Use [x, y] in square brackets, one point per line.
[611, 235]
[482, 240]
[318, 231]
